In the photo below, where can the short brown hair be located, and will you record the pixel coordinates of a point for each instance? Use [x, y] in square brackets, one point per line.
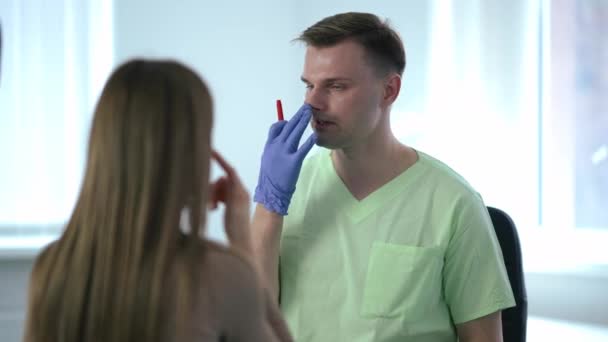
[379, 40]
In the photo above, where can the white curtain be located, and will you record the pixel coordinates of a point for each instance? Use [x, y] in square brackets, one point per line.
[503, 101]
[56, 56]
[482, 100]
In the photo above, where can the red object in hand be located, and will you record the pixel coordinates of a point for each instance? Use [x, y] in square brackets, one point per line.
[280, 110]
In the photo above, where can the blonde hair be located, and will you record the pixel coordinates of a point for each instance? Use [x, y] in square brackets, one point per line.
[123, 270]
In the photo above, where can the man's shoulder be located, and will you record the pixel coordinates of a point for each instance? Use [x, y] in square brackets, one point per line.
[441, 177]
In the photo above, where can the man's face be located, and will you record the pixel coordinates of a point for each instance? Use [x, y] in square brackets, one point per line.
[345, 92]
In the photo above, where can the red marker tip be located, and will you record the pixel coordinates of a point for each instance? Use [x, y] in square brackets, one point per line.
[280, 111]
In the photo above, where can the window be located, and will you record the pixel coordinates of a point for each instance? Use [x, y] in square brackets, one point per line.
[575, 114]
[55, 59]
[482, 101]
[516, 104]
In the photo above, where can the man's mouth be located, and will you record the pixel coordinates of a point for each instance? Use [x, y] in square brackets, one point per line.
[322, 123]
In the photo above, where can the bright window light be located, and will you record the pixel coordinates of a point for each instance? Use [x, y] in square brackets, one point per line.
[52, 74]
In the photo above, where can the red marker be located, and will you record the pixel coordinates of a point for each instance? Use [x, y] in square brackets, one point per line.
[280, 110]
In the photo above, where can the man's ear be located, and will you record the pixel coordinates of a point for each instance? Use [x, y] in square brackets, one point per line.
[392, 87]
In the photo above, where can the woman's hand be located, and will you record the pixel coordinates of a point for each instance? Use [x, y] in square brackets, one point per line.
[229, 190]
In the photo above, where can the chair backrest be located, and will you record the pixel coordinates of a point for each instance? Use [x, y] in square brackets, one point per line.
[513, 319]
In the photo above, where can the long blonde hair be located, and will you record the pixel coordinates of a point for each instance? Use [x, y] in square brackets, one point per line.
[123, 270]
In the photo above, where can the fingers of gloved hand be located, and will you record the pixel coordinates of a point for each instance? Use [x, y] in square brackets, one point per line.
[293, 140]
[307, 146]
[275, 129]
[293, 122]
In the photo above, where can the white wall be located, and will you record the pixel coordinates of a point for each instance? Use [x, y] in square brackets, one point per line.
[241, 49]
[14, 276]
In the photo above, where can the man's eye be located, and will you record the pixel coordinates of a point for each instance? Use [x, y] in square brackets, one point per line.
[337, 87]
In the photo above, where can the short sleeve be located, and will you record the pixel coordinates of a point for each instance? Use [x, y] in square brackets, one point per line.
[475, 283]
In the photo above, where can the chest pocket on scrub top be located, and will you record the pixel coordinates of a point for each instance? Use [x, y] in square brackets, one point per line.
[401, 281]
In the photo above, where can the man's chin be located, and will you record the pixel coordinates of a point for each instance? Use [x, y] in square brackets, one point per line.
[327, 144]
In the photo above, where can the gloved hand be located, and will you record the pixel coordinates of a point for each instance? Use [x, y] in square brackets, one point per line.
[282, 161]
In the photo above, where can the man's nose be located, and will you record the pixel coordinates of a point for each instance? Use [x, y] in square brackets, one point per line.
[316, 99]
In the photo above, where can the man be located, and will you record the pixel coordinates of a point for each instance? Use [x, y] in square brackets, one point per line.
[382, 242]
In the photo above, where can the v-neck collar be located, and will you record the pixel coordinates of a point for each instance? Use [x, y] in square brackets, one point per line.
[357, 210]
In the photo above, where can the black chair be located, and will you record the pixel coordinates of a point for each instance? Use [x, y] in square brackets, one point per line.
[513, 319]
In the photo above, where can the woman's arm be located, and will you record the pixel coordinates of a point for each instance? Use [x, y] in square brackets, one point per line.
[249, 312]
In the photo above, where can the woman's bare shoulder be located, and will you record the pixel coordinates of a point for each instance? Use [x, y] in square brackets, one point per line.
[221, 255]
[229, 283]
[229, 268]
[237, 297]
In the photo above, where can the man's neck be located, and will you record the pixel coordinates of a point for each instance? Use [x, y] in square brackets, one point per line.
[367, 167]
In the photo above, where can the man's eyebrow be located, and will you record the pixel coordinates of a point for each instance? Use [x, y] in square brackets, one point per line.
[329, 80]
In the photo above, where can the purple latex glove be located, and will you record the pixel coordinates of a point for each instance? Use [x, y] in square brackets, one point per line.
[282, 161]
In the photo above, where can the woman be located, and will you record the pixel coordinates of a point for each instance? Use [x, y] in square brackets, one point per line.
[127, 268]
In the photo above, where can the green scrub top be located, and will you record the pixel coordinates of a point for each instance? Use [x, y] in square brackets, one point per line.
[406, 263]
